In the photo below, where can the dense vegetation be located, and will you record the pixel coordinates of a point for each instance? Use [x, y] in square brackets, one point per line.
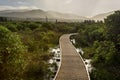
[101, 43]
[24, 47]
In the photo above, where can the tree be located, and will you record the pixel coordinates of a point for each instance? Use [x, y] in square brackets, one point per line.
[113, 31]
[104, 53]
[101, 74]
[2, 19]
[113, 26]
[12, 62]
[103, 61]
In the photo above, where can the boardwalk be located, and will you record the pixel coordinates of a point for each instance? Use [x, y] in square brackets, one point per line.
[72, 66]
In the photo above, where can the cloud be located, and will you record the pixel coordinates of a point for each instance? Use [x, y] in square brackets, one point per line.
[21, 2]
[18, 7]
[6, 7]
[80, 7]
[68, 1]
[27, 7]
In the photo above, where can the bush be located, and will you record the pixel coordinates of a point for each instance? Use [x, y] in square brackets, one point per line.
[12, 62]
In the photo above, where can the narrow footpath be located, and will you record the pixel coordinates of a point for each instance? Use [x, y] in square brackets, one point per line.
[72, 66]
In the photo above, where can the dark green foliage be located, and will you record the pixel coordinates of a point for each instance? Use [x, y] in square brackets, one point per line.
[12, 60]
[113, 26]
[113, 32]
[101, 42]
[90, 33]
[48, 26]
[104, 53]
[18, 62]
[101, 74]
[2, 19]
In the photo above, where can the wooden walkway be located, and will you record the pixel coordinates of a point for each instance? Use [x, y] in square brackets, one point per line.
[72, 66]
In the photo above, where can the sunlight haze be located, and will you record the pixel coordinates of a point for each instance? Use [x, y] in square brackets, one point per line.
[79, 7]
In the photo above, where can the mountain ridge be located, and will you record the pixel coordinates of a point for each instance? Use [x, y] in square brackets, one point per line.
[38, 13]
[102, 16]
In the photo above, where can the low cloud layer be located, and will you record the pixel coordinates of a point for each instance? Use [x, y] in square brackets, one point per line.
[19, 7]
[79, 7]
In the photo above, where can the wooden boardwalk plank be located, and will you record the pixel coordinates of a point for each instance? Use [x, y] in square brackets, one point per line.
[72, 66]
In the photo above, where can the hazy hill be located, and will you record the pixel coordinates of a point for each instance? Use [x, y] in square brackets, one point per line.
[40, 14]
[102, 16]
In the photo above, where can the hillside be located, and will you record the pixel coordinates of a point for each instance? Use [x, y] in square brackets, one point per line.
[40, 14]
[102, 16]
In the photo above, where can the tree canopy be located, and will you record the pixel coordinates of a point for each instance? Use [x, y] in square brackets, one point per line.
[11, 55]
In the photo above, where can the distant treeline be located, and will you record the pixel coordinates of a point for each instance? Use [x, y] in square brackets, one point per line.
[39, 19]
[26, 19]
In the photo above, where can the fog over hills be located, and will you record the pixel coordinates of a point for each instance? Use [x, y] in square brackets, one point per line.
[38, 13]
[102, 16]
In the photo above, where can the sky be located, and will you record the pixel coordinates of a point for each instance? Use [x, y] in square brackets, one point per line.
[79, 7]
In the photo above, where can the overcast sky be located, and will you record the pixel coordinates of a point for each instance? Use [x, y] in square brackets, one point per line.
[80, 7]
